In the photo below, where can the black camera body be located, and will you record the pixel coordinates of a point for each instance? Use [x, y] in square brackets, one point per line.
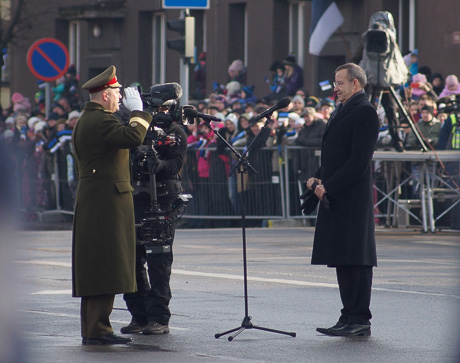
[449, 104]
[161, 98]
[377, 41]
[156, 228]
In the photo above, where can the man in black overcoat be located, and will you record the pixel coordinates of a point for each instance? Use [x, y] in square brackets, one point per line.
[344, 235]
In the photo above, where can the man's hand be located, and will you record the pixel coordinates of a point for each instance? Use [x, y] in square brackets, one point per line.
[311, 181]
[132, 99]
[318, 188]
[320, 191]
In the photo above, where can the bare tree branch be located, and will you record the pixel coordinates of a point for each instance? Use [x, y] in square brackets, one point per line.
[9, 32]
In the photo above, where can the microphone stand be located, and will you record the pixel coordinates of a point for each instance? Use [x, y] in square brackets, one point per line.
[242, 165]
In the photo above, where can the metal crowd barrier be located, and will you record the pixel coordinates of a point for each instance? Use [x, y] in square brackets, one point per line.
[420, 186]
[410, 188]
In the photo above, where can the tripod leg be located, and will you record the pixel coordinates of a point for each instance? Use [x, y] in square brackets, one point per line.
[389, 106]
[408, 119]
[230, 338]
[217, 336]
[292, 334]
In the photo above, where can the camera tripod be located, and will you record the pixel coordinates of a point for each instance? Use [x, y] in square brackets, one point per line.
[377, 44]
[242, 165]
[378, 93]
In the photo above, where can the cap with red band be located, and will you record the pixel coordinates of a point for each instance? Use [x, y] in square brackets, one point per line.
[106, 79]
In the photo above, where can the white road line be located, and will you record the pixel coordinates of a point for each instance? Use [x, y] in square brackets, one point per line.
[48, 263]
[239, 277]
[252, 278]
[52, 292]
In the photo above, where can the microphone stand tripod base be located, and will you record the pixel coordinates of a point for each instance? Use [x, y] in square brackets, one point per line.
[242, 165]
[247, 324]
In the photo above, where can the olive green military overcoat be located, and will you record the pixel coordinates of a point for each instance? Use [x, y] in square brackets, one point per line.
[103, 243]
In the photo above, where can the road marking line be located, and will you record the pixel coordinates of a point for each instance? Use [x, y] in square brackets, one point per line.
[238, 277]
[252, 278]
[52, 292]
[48, 263]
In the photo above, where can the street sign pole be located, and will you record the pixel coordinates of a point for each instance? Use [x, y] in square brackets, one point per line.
[184, 81]
[47, 98]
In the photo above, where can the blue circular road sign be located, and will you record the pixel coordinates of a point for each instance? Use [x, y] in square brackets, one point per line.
[48, 59]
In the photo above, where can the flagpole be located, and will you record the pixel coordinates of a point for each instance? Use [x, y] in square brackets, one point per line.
[345, 43]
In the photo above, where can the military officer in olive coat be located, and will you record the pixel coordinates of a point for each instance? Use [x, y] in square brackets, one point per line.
[103, 248]
[344, 234]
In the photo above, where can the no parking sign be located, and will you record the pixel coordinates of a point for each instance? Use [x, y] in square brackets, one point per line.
[48, 59]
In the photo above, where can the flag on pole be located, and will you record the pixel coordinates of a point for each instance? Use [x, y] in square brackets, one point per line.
[325, 20]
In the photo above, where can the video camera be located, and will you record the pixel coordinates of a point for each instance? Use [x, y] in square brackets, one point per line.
[161, 101]
[157, 227]
[382, 60]
[163, 97]
[449, 104]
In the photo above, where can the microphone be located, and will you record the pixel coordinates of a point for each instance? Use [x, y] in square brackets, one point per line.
[284, 102]
[190, 112]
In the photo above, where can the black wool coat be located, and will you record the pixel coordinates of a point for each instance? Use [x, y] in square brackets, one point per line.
[345, 235]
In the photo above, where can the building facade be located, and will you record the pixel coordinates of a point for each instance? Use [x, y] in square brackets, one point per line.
[133, 34]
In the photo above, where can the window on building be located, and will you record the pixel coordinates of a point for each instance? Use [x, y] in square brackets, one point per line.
[405, 23]
[74, 44]
[296, 30]
[158, 48]
[237, 42]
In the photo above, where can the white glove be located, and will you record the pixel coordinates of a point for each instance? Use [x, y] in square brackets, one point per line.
[132, 99]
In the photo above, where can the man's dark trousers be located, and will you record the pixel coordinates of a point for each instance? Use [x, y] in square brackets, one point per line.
[151, 301]
[355, 285]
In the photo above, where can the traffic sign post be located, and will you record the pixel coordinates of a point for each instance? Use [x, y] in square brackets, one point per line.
[48, 60]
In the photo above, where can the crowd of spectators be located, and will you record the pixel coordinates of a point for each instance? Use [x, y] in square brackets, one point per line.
[41, 153]
[38, 148]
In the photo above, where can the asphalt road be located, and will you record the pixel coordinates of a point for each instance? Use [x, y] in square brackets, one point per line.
[415, 301]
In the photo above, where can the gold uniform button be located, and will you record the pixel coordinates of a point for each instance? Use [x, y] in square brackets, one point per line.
[133, 124]
[94, 171]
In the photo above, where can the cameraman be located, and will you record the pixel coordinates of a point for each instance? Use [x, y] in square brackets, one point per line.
[149, 306]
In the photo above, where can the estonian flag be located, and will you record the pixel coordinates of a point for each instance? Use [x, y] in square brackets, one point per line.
[325, 20]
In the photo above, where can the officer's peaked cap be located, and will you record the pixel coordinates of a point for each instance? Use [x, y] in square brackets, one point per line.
[106, 79]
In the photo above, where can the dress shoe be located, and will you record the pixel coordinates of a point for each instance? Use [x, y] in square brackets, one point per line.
[107, 339]
[351, 330]
[326, 331]
[154, 328]
[132, 328]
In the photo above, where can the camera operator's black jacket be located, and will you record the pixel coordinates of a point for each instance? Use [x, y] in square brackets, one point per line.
[170, 161]
[172, 157]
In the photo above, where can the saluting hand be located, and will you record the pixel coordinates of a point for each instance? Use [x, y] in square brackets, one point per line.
[132, 99]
